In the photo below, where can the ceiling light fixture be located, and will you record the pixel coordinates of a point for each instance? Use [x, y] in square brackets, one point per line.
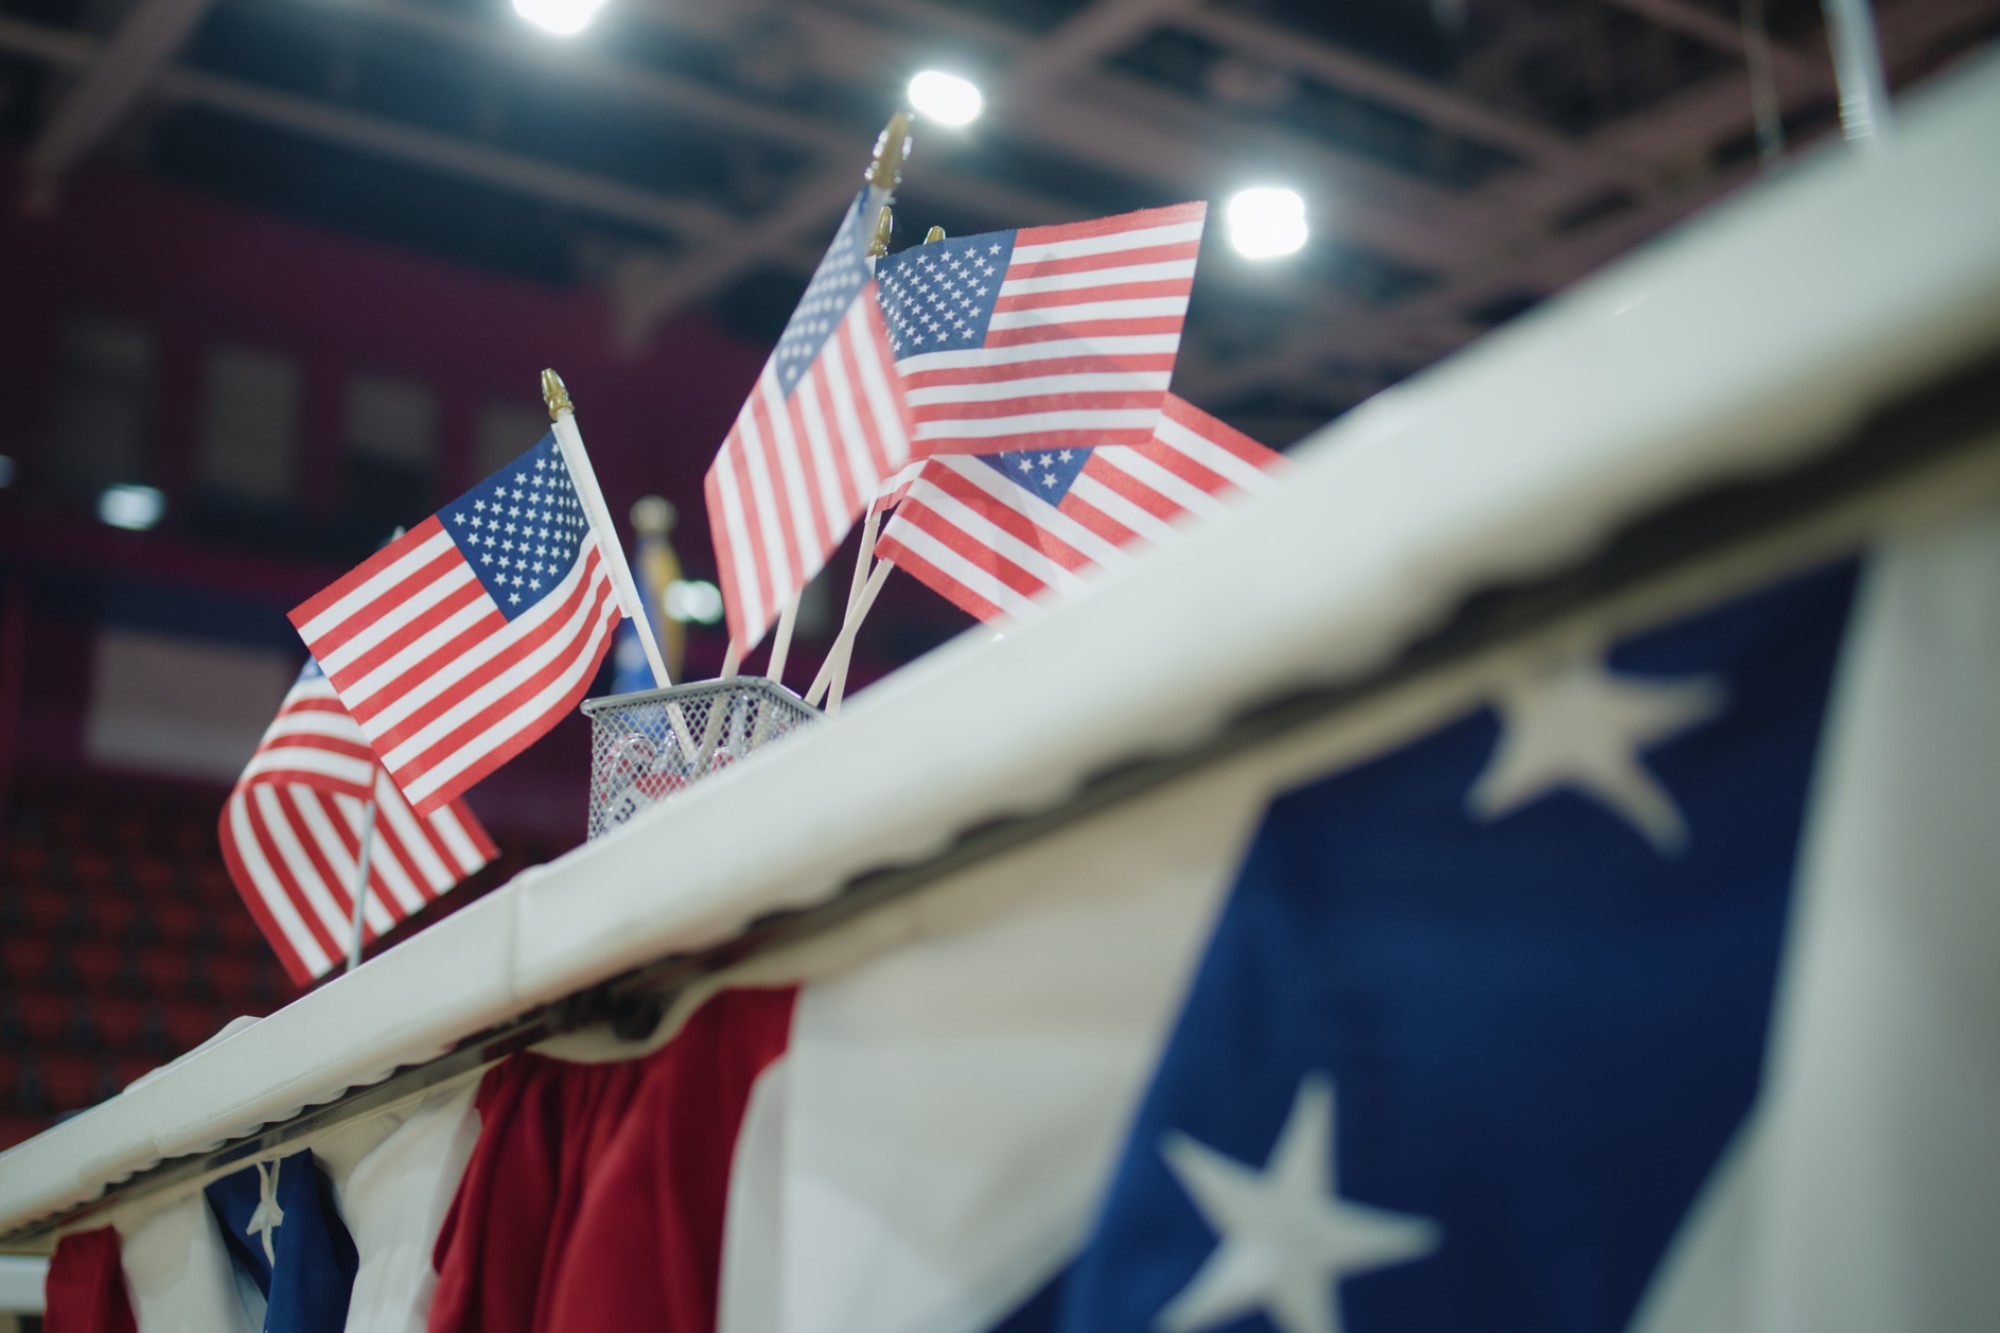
[134, 508]
[946, 98]
[564, 18]
[1267, 222]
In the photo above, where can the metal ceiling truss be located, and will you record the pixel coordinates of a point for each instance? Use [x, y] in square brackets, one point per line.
[1569, 202]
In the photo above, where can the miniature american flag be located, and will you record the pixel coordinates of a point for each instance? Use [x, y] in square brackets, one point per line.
[462, 641]
[291, 834]
[824, 424]
[1044, 338]
[992, 532]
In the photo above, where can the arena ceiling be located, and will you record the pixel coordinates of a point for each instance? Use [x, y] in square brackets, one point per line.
[1462, 159]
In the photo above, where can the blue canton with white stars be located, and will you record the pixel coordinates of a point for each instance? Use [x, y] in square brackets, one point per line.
[834, 285]
[521, 528]
[1042, 472]
[939, 297]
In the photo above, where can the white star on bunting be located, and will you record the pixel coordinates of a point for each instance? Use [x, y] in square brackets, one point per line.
[1287, 1238]
[268, 1217]
[1581, 727]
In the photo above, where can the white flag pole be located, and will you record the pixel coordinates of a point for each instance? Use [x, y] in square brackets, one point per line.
[833, 674]
[781, 643]
[361, 875]
[570, 440]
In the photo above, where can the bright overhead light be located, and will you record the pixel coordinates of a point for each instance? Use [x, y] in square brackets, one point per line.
[134, 508]
[946, 98]
[564, 18]
[694, 599]
[1267, 222]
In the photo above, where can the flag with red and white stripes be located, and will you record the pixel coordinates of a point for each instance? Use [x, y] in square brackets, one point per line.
[824, 424]
[462, 641]
[291, 835]
[993, 532]
[1042, 338]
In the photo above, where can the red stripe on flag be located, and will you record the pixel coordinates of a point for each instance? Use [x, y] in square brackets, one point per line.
[936, 579]
[246, 889]
[1082, 331]
[602, 606]
[1113, 291]
[1008, 519]
[1148, 363]
[1193, 211]
[1176, 252]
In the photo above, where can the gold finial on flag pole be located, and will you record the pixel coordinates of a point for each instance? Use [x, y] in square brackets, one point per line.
[555, 394]
[885, 222]
[934, 235]
[892, 148]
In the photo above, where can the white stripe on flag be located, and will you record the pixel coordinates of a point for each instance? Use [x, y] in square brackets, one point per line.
[1121, 510]
[319, 821]
[270, 889]
[444, 821]
[466, 755]
[1111, 345]
[399, 614]
[1140, 238]
[344, 769]
[956, 567]
[1037, 511]
[1031, 422]
[736, 524]
[412, 697]
[1032, 560]
[1166, 271]
[469, 705]
[1146, 307]
[318, 895]
[1240, 471]
[420, 649]
[417, 849]
[1190, 497]
[1040, 386]
[374, 587]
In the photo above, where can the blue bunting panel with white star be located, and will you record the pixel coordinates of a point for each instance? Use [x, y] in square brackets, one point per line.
[1481, 1016]
[285, 1234]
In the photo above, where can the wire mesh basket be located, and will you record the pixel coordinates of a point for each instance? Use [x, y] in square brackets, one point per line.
[649, 746]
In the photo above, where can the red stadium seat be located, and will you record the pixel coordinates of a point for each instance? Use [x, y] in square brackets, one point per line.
[70, 1081]
[27, 958]
[125, 1068]
[174, 922]
[19, 1128]
[164, 972]
[110, 915]
[120, 1022]
[189, 1023]
[45, 1017]
[153, 878]
[239, 929]
[96, 964]
[44, 908]
[26, 862]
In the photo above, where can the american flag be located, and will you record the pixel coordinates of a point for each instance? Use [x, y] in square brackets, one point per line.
[992, 532]
[462, 641]
[291, 835]
[824, 424]
[1048, 337]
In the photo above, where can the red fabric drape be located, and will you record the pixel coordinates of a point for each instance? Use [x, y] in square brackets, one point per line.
[85, 1291]
[594, 1199]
